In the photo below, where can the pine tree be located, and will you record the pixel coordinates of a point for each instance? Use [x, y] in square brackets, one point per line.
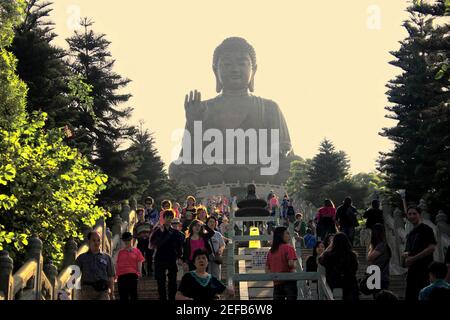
[104, 127]
[150, 174]
[419, 98]
[152, 178]
[436, 151]
[327, 167]
[41, 66]
[93, 61]
[52, 87]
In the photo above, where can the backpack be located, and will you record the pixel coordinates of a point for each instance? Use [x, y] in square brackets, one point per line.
[310, 241]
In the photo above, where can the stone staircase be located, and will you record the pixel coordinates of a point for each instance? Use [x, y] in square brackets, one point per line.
[147, 289]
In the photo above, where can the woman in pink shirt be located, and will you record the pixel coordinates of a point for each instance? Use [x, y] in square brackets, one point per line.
[282, 258]
[197, 237]
[128, 267]
[273, 205]
[326, 220]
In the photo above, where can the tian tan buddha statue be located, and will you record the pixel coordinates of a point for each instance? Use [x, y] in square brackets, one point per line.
[235, 136]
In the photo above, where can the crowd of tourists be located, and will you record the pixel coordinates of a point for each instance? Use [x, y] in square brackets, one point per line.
[168, 239]
[331, 235]
[163, 241]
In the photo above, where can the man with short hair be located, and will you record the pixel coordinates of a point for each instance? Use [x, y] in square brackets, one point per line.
[168, 243]
[419, 249]
[437, 272]
[97, 271]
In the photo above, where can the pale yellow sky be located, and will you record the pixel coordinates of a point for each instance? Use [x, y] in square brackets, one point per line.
[324, 62]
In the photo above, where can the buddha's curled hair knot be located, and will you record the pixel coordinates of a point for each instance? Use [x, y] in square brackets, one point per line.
[234, 44]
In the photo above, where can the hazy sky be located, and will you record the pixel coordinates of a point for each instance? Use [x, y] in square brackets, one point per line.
[324, 62]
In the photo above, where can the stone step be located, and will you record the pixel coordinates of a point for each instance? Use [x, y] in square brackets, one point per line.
[147, 289]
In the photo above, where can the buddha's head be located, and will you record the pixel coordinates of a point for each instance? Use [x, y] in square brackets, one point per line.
[234, 65]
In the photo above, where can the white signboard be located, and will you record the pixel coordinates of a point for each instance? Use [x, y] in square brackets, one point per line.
[259, 257]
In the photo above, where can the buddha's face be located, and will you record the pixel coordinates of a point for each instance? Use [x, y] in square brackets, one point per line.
[235, 70]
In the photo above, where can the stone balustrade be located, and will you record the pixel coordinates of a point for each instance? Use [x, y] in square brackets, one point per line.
[36, 280]
[397, 228]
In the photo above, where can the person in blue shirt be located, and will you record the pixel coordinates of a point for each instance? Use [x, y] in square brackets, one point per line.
[437, 272]
[309, 239]
[151, 213]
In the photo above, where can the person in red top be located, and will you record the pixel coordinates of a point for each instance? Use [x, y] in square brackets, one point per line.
[128, 267]
[282, 258]
[326, 220]
[273, 204]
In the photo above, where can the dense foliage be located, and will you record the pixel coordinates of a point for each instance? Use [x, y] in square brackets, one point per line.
[420, 159]
[326, 176]
[47, 188]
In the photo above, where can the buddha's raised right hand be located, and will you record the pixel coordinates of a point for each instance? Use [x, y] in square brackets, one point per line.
[194, 106]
